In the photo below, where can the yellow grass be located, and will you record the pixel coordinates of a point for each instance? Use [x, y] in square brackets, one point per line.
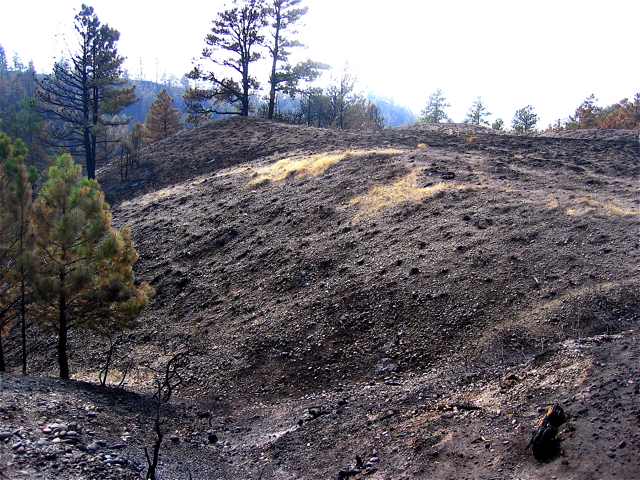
[552, 202]
[405, 190]
[586, 205]
[312, 166]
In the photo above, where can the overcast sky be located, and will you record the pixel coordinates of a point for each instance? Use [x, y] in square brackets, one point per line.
[548, 53]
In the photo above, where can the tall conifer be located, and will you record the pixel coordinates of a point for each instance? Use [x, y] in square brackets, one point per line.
[84, 267]
[85, 93]
[163, 119]
[283, 15]
[16, 242]
[233, 45]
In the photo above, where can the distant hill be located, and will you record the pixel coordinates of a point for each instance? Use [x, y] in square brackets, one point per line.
[394, 115]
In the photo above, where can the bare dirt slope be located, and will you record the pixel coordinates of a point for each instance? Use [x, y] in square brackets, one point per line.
[390, 295]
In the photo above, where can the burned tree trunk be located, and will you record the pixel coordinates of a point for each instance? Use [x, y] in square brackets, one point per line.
[167, 380]
[544, 442]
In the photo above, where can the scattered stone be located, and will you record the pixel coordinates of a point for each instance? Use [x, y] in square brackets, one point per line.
[386, 366]
[92, 447]
[314, 412]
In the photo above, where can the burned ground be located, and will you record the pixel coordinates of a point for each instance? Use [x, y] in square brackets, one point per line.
[382, 283]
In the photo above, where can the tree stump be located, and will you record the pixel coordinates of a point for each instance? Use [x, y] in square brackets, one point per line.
[544, 442]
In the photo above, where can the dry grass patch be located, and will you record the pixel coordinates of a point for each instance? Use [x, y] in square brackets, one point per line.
[587, 205]
[405, 190]
[552, 202]
[312, 166]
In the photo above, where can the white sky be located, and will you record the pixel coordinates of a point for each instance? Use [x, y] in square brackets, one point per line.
[548, 53]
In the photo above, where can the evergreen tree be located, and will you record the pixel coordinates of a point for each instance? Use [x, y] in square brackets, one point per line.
[309, 105]
[233, 45]
[478, 113]
[587, 114]
[84, 94]
[525, 120]
[83, 276]
[498, 124]
[435, 111]
[16, 241]
[4, 65]
[363, 115]
[19, 117]
[163, 120]
[283, 15]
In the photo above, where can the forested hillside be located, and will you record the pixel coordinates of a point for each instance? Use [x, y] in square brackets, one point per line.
[146, 91]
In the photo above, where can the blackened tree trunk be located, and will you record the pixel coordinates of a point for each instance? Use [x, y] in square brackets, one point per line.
[309, 110]
[95, 119]
[63, 361]
[23, 293]
[3, 367]
[157, 444]
[245, 91]
[23, 322]
[274, 63]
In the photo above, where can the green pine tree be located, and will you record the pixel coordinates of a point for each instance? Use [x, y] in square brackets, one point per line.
[525, 120]
[16, 240]
[478, 113]
[232, 46]
[435, 110]
[84, 267]
[163, 119]
[84, 94]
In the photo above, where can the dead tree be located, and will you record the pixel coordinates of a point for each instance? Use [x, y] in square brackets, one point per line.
[166, 380]
[114, 344]
[136, 140]
[124, 158]
[130, 148]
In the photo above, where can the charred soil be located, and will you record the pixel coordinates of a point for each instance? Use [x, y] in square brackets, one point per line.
[414, 297]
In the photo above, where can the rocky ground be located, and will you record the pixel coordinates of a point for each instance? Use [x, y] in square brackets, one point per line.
[410, 297]
[597, 134]
[473, 426]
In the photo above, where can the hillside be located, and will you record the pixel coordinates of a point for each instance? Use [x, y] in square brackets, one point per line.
[411, 296]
